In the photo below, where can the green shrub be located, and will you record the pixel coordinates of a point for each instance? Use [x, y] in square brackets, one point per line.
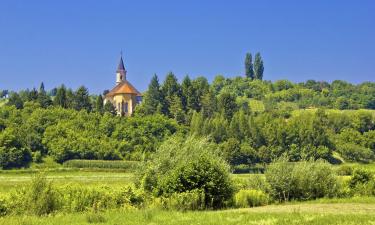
[355, 153]
[181, 165]
[250, 198]
[360, 176]
[301, 181]
[41, 198]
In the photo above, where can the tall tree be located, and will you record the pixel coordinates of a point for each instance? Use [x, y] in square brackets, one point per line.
[249, 70]
[70, 98]
[33, 95]
[153, 97]
[170, 88]
[186, 90]
[227, 105]
[258, 67]
[15, 99]
[209, 104]
[61, 98]
[99, 104]
[200, 87]
[41, 88]
[43, 99]
[82, 99]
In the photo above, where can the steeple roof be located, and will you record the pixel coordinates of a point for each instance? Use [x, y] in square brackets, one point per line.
[121, 66]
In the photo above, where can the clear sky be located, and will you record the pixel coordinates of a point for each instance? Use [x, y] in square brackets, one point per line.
[78, 42]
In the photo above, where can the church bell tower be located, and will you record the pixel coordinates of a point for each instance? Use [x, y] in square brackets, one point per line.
[121, 72]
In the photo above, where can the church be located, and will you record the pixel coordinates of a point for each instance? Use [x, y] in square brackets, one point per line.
[124, 96]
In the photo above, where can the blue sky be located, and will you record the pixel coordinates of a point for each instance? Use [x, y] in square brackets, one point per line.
[78, 42]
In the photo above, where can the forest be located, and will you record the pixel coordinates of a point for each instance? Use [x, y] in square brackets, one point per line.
[252, 121]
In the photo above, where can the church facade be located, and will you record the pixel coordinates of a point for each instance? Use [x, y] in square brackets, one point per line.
[124, 96]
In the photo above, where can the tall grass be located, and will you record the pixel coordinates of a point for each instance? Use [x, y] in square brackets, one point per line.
[117, 164]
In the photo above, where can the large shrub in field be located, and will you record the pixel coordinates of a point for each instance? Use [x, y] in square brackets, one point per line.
[181, 166]
[301, 181]
[12, 152]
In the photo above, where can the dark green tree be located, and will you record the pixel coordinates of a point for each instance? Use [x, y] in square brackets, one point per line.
[249, 70]
[33, 95]
[209, 104]
[227, 105]
[61, 98]
[15, 99]
[186, 90]
[153, 97]
[170, 88]
[258, 67]
[43, 99]
[99, 104]
[109, 108]
[82, 99]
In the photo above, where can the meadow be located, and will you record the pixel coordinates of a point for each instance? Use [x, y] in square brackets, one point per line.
[355, 210]
[302, 213]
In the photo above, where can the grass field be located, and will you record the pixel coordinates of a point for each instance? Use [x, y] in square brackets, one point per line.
[13, 180]
[360, 210]
[313, 213]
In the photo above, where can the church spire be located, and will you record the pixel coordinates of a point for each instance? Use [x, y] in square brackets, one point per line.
[121, 72]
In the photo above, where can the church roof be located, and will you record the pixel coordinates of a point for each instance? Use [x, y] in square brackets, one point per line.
[121, 66]
[125, 87]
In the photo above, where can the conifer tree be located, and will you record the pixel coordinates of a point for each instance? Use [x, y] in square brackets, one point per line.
[209, 104]
[186, 91]
[99, 104]
[249, 70]
[43, 99]
[170, 89]
[33, 95]
[82, 99]
[153, 97]
[258, 67]
[61, 98]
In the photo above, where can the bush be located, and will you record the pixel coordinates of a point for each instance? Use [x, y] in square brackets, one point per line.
[355, 153]
[41, 198]
[360, 176]
[12, 152]
[301, 181]
[250, 198]
[184, 165]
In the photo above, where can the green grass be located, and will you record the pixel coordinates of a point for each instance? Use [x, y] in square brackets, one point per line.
[117, 164]
[12, 180]
[339, 213]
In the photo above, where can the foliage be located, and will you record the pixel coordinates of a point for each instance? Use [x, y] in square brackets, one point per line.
[301, 181]
[193, 164]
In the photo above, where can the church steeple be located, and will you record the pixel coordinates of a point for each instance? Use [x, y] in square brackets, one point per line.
[121, 72]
